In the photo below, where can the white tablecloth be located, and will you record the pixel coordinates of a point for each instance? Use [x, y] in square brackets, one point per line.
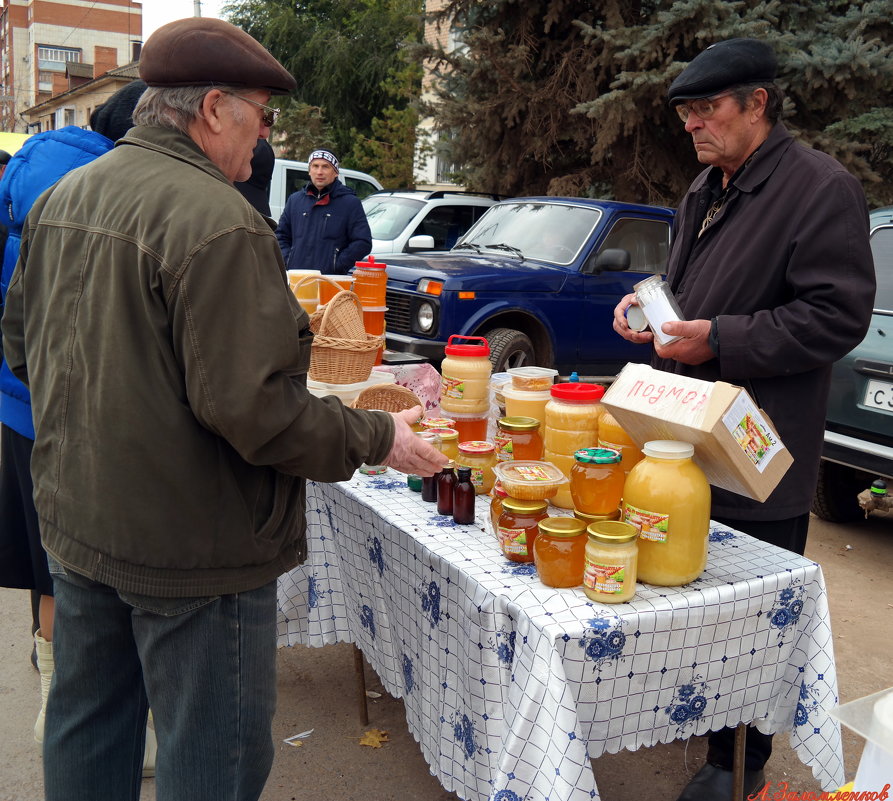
[511, 687]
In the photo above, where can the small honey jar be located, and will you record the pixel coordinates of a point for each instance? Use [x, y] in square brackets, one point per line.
[518, 528]
[559, 551]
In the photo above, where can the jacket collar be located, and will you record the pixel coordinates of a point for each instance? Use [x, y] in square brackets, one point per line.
[174, 144]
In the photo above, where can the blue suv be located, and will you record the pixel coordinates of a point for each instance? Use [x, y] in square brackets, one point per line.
[538, 277]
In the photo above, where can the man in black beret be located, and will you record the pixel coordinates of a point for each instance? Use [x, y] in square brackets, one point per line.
[773, 272]
[174, 431]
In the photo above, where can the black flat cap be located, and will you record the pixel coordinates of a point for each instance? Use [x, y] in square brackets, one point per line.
[722, 65]
[203, 50]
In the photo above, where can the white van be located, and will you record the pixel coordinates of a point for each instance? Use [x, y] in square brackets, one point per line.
[290, 176]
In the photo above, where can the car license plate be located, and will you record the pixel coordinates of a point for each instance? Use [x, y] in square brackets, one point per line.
[879, 395]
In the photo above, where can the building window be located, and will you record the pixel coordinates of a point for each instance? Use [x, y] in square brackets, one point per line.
[55, 58]
[44, 81]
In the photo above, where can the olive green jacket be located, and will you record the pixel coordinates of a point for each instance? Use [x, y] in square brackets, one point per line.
[151, 318]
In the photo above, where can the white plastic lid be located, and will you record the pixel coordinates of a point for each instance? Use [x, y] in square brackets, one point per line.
[668, 449]
[635, 318]
[526, 394]
[533, 372]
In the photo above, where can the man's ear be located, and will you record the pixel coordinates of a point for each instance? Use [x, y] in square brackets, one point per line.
[210, 110]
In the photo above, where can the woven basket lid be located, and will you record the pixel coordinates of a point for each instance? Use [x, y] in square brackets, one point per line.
[387, 398]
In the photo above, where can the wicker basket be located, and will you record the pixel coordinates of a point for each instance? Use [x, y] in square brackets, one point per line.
[342, 351]
[387, 398]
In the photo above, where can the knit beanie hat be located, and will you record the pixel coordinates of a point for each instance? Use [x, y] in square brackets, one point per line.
[115, 117]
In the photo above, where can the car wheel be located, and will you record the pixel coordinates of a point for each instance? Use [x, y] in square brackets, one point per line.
[836, 491]
[509, 348]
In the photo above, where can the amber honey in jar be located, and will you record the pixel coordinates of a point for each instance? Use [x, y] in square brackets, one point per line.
[667, 496]
[449, 441]
[465, 376]
[517, 528]
[370, 280]
[609, 575]
[480, 456]
[611, 435]
[498, 495]
[518, 438]
[559, 551]
[587, 518]
[597, 480]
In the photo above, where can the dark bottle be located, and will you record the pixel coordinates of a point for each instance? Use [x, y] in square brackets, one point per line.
[429, 488]
[463, 497]
[446, 480]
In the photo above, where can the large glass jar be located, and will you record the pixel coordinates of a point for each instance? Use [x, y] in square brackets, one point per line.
[518, 438]
[612, 435]
[465, 376]
[667, 496]
[609, 576]
[517, 528]
[559, 551]
[480, 456]
[597, 480]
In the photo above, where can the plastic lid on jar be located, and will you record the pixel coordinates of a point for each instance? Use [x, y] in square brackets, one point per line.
[438, 422]
[519, 505]
[370, 264]
[577, 392]
[525, 394]
[612, 531]
[668, 449]
[635, 318]
[562, 526]
[498, 491]
[518, 423]
[588, 518]
[481, 348]
[476, 446]
[597, 456]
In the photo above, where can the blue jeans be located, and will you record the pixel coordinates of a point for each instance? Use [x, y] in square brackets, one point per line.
[207, 668]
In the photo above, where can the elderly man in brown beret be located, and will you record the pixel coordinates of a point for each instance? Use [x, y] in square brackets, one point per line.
[174, 431]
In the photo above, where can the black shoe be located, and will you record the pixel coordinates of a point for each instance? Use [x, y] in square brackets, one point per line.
[715, 784]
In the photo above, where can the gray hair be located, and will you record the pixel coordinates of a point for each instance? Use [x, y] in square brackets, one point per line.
[175, 107]
[774, 101]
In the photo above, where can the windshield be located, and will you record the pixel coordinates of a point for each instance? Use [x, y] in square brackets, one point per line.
[388, 215]
[882, 250]
[552, 232]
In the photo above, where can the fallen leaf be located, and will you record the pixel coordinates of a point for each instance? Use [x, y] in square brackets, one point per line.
[372, 694]
[374, 738]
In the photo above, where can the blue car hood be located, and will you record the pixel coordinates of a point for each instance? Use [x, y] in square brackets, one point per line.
[478, 272]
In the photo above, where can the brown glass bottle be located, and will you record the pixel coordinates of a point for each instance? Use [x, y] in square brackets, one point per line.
[446, 480]
[429, 488]
[463, 497]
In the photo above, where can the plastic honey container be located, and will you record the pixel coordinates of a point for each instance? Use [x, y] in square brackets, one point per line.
[307, 292]
[559, 551]
[331, 285]
[667, 496]
[532, 379]
[611, 435]
[370, 280]
[518, 438]
[470, 426]
[572, 417]
[525, 403]
[609, 575]
[465, 376]
[480, 456]
[373, 319]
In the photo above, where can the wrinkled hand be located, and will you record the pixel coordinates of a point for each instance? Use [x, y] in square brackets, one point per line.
[693, 348]
[411, 454]
[622, 327]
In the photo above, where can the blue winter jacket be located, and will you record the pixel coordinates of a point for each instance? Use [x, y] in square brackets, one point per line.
[326, 231]
[42, 160]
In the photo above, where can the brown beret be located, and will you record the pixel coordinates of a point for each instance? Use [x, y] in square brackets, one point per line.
[203, 50]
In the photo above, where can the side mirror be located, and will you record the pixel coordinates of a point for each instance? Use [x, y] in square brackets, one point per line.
[612, 260]
[419, 242]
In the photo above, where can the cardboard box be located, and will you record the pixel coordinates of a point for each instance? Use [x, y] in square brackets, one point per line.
[735, 443]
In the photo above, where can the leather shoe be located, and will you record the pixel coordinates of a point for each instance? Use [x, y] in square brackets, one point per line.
[715, 784]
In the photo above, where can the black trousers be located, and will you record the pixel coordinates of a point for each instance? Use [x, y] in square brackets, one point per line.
[789, 534]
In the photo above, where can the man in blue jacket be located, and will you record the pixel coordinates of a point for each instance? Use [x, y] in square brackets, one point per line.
[323, 227]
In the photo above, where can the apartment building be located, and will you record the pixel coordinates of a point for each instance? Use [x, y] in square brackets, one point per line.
[53, 47]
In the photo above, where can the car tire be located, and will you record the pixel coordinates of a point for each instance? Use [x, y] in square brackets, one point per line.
[836, 491]
[510, 348]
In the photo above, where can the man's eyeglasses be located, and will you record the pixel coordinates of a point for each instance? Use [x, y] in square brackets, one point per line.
[270, 114]
[704, 108]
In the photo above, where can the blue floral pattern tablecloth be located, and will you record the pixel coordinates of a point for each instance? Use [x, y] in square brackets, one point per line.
[511, 687]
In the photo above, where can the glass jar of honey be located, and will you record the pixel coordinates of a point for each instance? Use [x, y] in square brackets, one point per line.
[449, 441]
[518, 438]
[609, 575]
[437, 422]
[517, 528]
[498, 495]
[667, 496]
[480, 456]
[587, 518]
[611, 435]
[559, 551]
[597, 480]
[465, 376]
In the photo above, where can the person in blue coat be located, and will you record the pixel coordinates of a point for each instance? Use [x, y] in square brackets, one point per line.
[42, 160]
[323, 226]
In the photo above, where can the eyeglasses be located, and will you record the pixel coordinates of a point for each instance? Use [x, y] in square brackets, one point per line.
[704, 108]
[270, 114]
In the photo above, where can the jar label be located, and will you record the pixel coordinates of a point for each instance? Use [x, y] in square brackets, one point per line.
[513, 540]
[504, 448]
[452, 387]
[608, 579]
[653, 526]
[477, 476]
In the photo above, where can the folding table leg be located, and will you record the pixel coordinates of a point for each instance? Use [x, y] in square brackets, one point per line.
[738, 763]
[361, 685]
